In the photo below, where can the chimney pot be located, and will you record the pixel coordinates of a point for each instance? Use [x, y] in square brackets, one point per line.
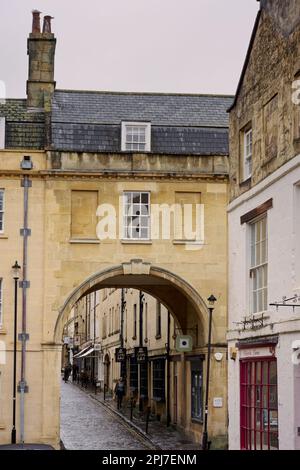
[36, 22]
[47, 24]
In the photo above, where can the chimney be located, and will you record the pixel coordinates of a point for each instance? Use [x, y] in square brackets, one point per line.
[41, 52]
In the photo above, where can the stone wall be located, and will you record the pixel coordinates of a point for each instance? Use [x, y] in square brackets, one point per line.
[265, 99]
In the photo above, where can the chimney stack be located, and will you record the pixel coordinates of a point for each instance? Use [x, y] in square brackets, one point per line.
[47, 24]
[36, 21]
[41, 52]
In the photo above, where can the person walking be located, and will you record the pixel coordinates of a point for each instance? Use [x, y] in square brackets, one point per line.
[67, 372]
[120, 392]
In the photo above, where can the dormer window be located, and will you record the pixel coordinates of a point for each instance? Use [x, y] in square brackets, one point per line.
[136, 136]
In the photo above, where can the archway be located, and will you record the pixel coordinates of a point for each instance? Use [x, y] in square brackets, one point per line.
[183, 301]
[181, 371]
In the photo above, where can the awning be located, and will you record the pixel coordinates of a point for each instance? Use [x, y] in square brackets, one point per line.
[87, 353]
[82, 352]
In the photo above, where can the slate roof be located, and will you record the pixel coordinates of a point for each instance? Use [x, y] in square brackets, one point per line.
[91, 122]
[181, 124]
[23, 129]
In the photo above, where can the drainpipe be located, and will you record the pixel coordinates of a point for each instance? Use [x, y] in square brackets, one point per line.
[141, 341]
[168, 370]
[25, 232]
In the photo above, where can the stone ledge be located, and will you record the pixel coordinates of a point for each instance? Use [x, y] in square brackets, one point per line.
[84, 241]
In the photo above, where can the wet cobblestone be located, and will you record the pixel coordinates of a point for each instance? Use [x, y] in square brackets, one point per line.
[88, 425]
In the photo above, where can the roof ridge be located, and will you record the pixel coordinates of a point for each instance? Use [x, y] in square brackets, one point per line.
[138, 93]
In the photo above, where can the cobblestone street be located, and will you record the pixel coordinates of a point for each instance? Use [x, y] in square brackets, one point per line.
[87, 425]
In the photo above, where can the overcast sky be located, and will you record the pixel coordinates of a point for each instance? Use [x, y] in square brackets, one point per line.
[185, 46]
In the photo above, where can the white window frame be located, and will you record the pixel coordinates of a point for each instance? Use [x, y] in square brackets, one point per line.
[2, 133]
[2, 211]
[258, 270]
[248, 145]
[132, 210]
[1, 301]
[127, 146]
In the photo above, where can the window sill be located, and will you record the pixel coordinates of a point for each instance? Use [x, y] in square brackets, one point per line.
[85, 241]
[188, 242]
[3, 331]
[2, 427]
[3, 236]
[134, 338]
[136, 242]
[158, 337]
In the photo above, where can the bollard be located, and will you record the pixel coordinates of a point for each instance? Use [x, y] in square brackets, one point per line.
[147, 418]
[131, 409]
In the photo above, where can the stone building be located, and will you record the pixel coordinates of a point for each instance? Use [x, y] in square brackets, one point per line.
[144, 322]
[69, 158]
[264, 237]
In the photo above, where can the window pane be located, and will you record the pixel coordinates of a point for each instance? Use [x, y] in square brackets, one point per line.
[136, 198]
[145, 198]
[273, 373]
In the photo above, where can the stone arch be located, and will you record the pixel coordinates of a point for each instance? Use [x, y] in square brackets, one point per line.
[179, 296]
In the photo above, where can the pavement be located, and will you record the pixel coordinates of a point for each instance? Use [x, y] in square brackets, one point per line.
[88, 425]
[159, 436]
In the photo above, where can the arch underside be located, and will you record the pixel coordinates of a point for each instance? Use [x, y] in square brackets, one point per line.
[179, 297]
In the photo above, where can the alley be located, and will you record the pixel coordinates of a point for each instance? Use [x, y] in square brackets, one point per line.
[86, 425]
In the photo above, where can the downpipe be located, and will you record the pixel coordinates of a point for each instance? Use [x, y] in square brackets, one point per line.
[24, 284]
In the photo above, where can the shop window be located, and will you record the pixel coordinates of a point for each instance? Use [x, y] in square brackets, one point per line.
[159, 380]
[196, 391]
[133, 375]
[259, 405]
[144, 380]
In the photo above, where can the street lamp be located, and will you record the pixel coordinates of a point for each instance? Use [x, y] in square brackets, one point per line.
[16, 273]
[205, 443]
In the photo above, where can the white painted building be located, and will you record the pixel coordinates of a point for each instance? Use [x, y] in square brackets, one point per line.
[264, 239]
[282, 327]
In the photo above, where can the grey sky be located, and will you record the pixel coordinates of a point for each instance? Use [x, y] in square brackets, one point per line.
[192, 46]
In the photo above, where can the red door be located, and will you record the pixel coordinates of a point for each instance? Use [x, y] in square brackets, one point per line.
[259, 406]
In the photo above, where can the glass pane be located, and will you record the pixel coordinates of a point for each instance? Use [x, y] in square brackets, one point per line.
[136, 209]
[258, 254]
[258, 420]
[265, 419]
[144, 209]
[265, 441]
[274, 441]
[144, 233]
[274, 421]
[260, 301]
[258, 438]
[273, 397]
[136, 198]
[265, 366]
[144, 221]
[257, 232]
[263, 251]
[142, 146]
[258, 397]
[265, 396]
[258, 372]
[145, 198]
[273, 373]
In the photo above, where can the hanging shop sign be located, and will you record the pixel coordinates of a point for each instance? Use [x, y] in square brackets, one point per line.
[141, 354]
[120, 354]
